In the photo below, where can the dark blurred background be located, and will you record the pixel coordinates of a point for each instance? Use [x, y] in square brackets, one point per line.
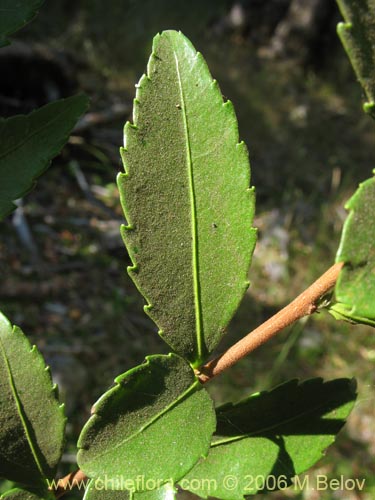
[62, 261]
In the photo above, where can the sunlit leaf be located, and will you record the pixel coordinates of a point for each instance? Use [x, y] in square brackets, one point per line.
[14, 14]
[32, 421]
[355, 287]
[275, 434]
[357, 34]
[29, 142]
[186, 198]
[100, 490]
[155, 423]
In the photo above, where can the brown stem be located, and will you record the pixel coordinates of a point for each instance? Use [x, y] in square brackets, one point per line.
[303, 305]
[67, 483]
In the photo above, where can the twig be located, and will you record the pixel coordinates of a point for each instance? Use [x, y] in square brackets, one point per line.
[116, 112]
[67, 483]
[86, 189]
[23, 230]
[303, 305]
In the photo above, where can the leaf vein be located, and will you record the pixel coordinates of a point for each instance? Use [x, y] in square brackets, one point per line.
[150, 422]
[194, 224]
[20, 409]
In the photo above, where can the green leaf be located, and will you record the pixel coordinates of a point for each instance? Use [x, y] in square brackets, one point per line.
[358, 37]
[32, 421]
[275, 435]
[98, 489]
[186, 198]
[355, 287]
[14, 14]
[156, 422]
[28, 144]
[23, 494]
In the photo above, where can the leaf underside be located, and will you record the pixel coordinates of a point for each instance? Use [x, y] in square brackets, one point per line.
[278, 433]
[186, 198]
[99, 490]
[14, 14]
[358, 37]
[28, 407]
[156, 422]
[355, 287]
[28, 144]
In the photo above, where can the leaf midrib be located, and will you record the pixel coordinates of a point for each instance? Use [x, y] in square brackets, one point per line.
[19, 406]
[266, 429]
[156, 417]
[194, 225]
[38, 130]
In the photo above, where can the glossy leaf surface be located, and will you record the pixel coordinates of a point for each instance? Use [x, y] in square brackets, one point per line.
[355, 287]
[32, 421]
[279, 433]
[28, 144]
[186, 198]
[14, 14]
[156, 422]
[99, 490]
[358, 37]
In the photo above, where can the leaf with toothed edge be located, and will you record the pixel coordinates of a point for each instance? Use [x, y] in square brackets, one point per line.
[28, 144]
[357, 35]
[154, 424]
[186, 197]
[32, 422]
[354, 298]
[271, 436]
[96, 491]
[14, 15]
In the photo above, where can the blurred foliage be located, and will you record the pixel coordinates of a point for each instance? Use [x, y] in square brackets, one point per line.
[119, 35]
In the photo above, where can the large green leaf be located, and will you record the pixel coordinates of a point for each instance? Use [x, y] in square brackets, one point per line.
[14, 14]
[274, 435]
[28, 143]
[156, 422]
[32, 421]
[355, 287]
[186, 198]
[358, 37]
[98, 489]
[23, 494]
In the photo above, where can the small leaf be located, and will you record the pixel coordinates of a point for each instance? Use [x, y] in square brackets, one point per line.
[186, 197]
[156, 422]
[98, 489]
[23, 494]
[28, 144]
[355, 287]
[14, 14]
[32, 421]
[275, 434]
[358, 37]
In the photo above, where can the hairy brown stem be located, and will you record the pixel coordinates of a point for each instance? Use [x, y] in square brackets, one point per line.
[303, 305]
[67, 483]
